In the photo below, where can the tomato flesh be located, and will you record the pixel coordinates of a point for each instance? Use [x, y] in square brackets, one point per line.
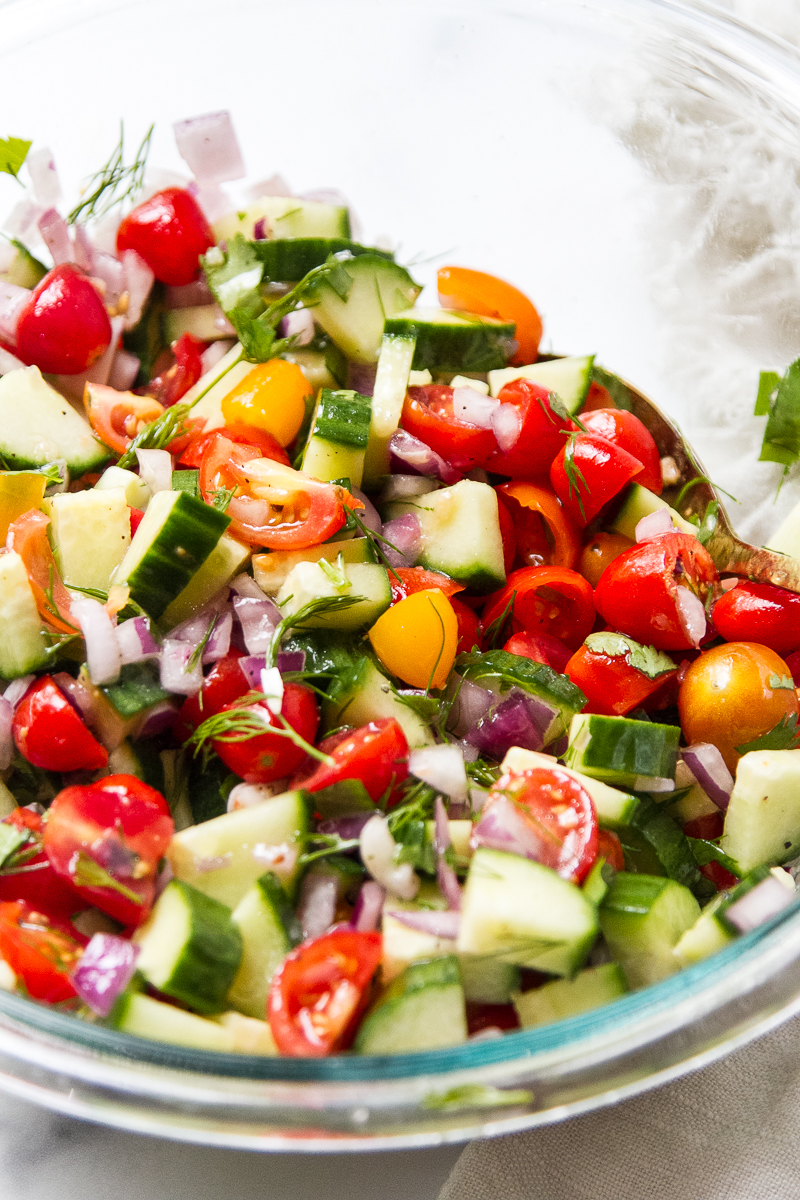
[588, 472]
[49, 733]
[377, 754]
[38, 951]
[627, 431]
[272, 755]
[170, 233]
[550, 600]
[64, 327]
[541, 437]
[561, 813]
[759, 612]
[428, 414]
[28, 875]
[612, 686]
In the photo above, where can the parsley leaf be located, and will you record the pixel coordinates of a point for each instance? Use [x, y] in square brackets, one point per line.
[13, 152]
[782, 435]
[781, 682]
[257, 339]
[645, 659]
[784, 736]
[234, 281]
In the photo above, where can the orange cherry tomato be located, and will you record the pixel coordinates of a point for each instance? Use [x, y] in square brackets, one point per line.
[272, 397]
[599, 552]
[488, 296]
[597, 397]
[550, 600]
[545, 534]
[416, 639]
[28, 536]
[117, 417]
[609, 847]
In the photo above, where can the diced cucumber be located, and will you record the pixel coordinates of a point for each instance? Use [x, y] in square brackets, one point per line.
[371, 698]
[250, 1036]
[353, 316]
[205, 398]
[622, 751]
[569, 378]
[137, 493]
[488, 980]
[389, 393]
[454, 341]
[227, 559]
[339, 435]
[711, 931]
[20, 491]
[342, 798]
[654, 844]
[189, 947]
[762, 821]
[460, 533]
[595, 885]
[90, 533]
[23, 647]
[615, 809]
[286, 217]
[288, 259]
[643, 917]
[498, 671]
[139, 758]
[403, 945]
[176, 536]
[270, 570]
[225, 856]
[148, 1018]
[367, 584]
[693, 805]
[423, 1009]
[268, 927]
[204, 321]
[639, 502]
[37, 426]
[24, 270]
[567, 997]
[523, 912]
[314, 365]
[107, 725]
[136, 689]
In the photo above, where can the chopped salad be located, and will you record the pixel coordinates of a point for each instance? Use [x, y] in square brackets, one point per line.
[361, 689]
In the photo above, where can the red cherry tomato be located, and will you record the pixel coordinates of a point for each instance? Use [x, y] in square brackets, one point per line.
[597, 397]
[320, 991]
[64, 327]
[272, 755]
[170, 233]
[560, 811]
[588, 472]
[541, 436]
[405, 581]
[377, 754]
[719, 876]
[481, 1015]
[637, 591]
[245, 435]
[469, 627]
[428, 415]
[611, 685]
[708, 827]
[793, 663]
[175, 382]
[540, 647]
[225, 682]
[544, 532]
[137, 516]
[49, 733]
[759, 612]
[549, 600]
[28, 875]
[508, 533]
[625, 430]
[107, 839]
[40, 953]
[609, 847]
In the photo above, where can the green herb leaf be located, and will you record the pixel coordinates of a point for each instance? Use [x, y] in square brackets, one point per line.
[645, 659]
[11, 838]
[234, 281]
[781, 682]
[708, 526]
[331, 844]
[784, 736]
[575, 477]
[690, 483]
[257, 339]
[158, 434]
[496, 631]
[782, 434]
[767, 386]
[88, 873]
[13, 152]
[705, 852]
[114, 182]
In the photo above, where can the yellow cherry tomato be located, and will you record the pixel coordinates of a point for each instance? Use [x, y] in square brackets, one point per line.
[273, 397]
[733, 694]
[416, 639]
[599, 552]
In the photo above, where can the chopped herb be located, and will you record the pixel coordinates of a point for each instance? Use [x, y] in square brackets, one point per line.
[575, 477]
[705, 852]
[88, 873]
[708, 526]
[241, 723]
[13, 152]
[784, 736]
[234, 282]
[782, 435]
[767, 386]
[114, 182]
[158, 434]
[645, 659]
[221, 498]
[319, 607]
[777, 682]
[11, 838]
[496, 630]
[331, 844]
[691, 483]
[197, 653]
[95, 593]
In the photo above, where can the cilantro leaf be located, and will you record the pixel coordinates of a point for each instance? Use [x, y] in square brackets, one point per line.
[782, 435]
[258, 339]
[781, 682]
[705, 852]
[235, 280]
[13, 152]
[784, 736]
[645, 659]
[767, 386]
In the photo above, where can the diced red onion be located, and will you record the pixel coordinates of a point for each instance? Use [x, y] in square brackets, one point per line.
[124, 370]
[84, 247]
[99, 371]
[761, 903]
[361, 377]
[164, 876]
[139, 281]
[214, 353]
[8, 362]
[108, 268]
[135, 640]
[368, 515]
[468, 753]
[189, 295]
[252, 666]
[44, 176]
[18, 688]
[291, 660]
[258, 619]
[325, 196]
[102, 651]
[347, 827]
[12, 301]
[261, 230]
[23, 217]
[368, 907]
[104, 970]
[155, 468]
[176, 674]
[378, 849]
[506, 426]
[55, 232]
[8, 252]
[219, 641]
[471, 703]
[443, 768]
[448, 883]
[79, 695]
[271, 685]
[400, 487]
[408, 454]
[403, 544]
[707, 765]
[209, 146]
[245, 585]
[248, 795]
[518, 720]
[213, 201]
[653, 525]
[6, 738]
[300, 325]
[477, 799]
[429, 920]
[158, 720]
[691, 615]
[502, 827]
[473, 407]
[316, 909]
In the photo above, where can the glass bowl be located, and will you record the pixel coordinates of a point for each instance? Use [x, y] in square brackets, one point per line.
[632, 166]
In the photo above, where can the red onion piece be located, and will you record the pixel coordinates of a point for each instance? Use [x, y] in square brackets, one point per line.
[518, 720]
[251, 667]
[691, 615]
[99, 370]
[300, 325]
[55, 232]
[245, 585]
[653, 525]
[502, 827]
[291, 660]
[209, 146]
[44, 176]
[361, 377]
[448, 884]
[409, 455]
[368, 515]
[23, 217]
[760, 904]
[176, 674]
[102, 651]
[403, 544]
[471, 703]
[213, 201]
[214, 353]
[347, 827]
[378, 854]
[368, 907]
[316, 909]
[139, 280]
[79, 695]
[276, 185]
[18, 688]
[124, 370]
[104, 970]
[652, 783]
[258, 619]
[707, 765]
[12, 301]
[438, 924]
[443, 768]
[155, 468]
[188, 295]
[6, 738]
[135, 640]
[108, 268]
[473, 407]
[400, 487]
[8, 362]
[506, 426]
[158, 720]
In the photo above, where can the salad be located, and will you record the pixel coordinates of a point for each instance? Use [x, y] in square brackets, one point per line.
[361, 689]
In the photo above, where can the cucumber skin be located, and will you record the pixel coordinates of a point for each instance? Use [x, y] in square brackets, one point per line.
[467, 346]
[288, 260]
[433, 988]
[621, 750]
[640, 937]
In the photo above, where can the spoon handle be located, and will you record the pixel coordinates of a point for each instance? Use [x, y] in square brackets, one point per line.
[734, 557]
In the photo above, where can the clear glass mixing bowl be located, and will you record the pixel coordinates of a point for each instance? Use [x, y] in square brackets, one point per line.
[633, 166]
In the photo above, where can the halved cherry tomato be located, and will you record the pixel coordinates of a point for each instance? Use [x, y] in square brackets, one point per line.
[488, 296]
[28, 875]
[64, 327]
[540, 647]
[597, 397]
[405, 581]
[107, 839]
[271, 755]
[612, 686]
[377, 754]
[117, 417]
[319, 992]
[560, 811]
[625, 430]
[416, 639]
[599, 552]
[637, 593]
[469, 627]
[175, 382]
[708, 827]
[272, 397]
[225, 682]
[244, 435]
[551, 600]
[28, 536]
[545, 534]
[759, 612]
[170, 232]
[508, 533]
[541, 437]
[588, 472]
[38, 951]
[49, 733]
[428, 415]
[609, 847]
[793, 663]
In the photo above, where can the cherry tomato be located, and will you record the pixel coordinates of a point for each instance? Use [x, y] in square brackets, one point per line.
[136, 517]
[609, 847]
[708, 827]
[245, 435]
[469, 627]
[64, 327]
[40, 953]
[320, 991]
[405, 581]
[541, 437]
[170, 233]
[625, 430]
[550, 600]
[428, 415]
[611, 685]
[226, 681]
[508, 533]
[719, 876]
[759, 612]
[175, 382]
[588, 472]
[417, 638]
[28, 536]
[377, 754]
[793, 663]
[540, 647]
[597, 397]
[560, 811]
[117, 417]
[733, 694]
[481, 1015]
[637, 592]
[28, 875]
[488, 296]
[107, 839]
[599, 552]
[544, 532]
[271, 755]
[49, 733]
[271, 397]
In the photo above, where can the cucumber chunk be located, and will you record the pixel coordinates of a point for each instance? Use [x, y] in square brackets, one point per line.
[268, 927]
[762, 821]
[567, 997]
[190, 948]
[454, 341]
[488, 980]
[639, 502]
[423, 1009]
[227, 559]
[615, 809]
[354, 317]
[148, 1018]
[23, 647]
[622, 751]
[289, 259]
[136, 689]
[712, 930]
[643, 917]
[24, 270]
[250, 1036]
[37, 426]
[203, 321]
[389, 392]
[137, 493]
[366, 583]
[286, 217]
[569, 378]
[369, 698]
[271, 570]
[90, 532]
[339, 435]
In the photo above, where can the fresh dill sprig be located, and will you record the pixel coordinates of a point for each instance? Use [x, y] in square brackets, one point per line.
[221, 498]
[687, 487]
[114, 182]
[494, 632]
[158, 434]
[376, 539]
[197, 653]
[240, 724]
[332, 843]
[575, 476]
[321, 606]
[95, 593]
